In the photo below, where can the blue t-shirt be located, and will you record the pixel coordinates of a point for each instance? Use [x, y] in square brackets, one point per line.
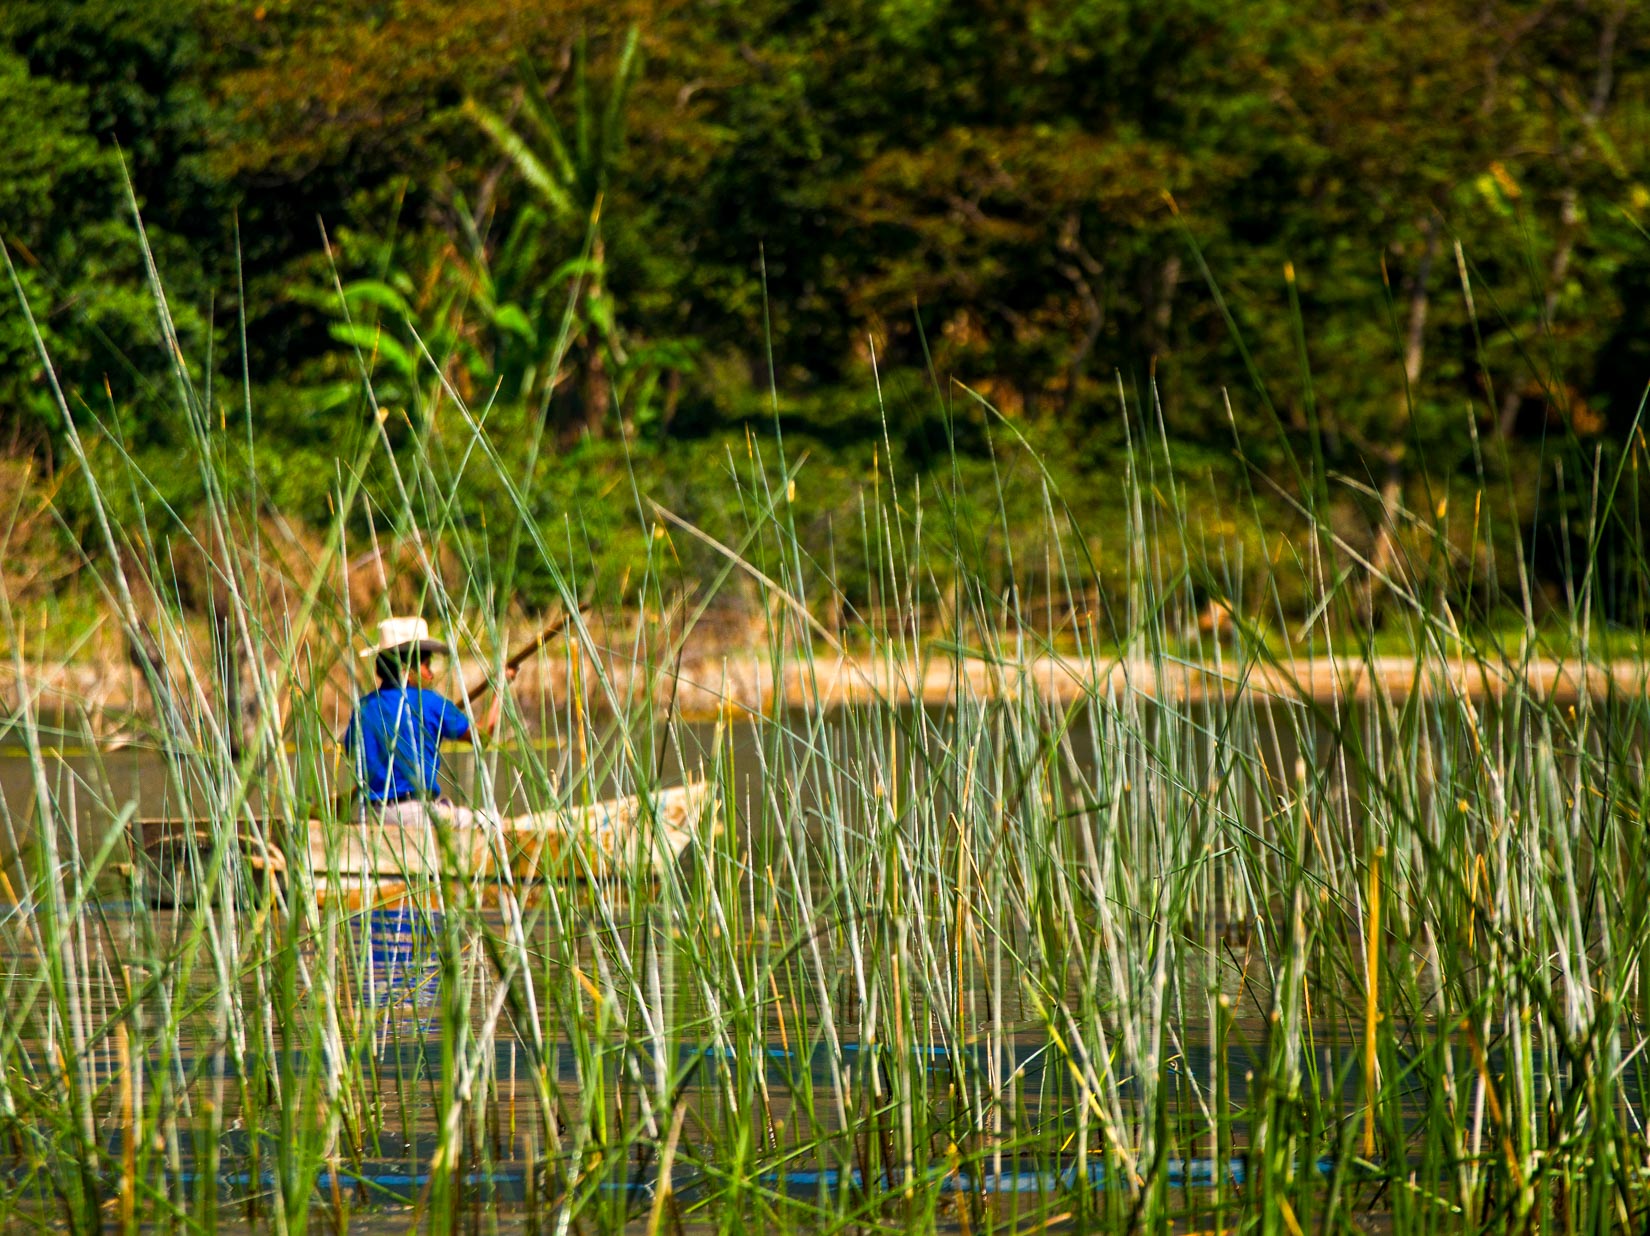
[395, 737]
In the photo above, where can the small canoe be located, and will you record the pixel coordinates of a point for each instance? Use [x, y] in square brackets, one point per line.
[360, 864]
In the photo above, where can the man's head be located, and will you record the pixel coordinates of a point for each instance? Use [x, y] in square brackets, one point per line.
[405, 653]
[408, 666]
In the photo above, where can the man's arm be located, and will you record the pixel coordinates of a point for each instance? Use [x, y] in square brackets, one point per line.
[484, 728]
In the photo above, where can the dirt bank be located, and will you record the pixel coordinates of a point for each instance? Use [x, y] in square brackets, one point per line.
[111, 693]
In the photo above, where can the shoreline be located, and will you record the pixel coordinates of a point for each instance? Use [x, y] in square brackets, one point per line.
[108, 695]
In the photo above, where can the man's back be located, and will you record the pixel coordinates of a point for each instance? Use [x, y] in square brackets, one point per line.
[395, 737]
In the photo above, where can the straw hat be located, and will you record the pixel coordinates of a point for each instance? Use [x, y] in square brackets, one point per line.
[404, 635]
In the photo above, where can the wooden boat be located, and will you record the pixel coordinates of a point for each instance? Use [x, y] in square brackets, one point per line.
[359, 863]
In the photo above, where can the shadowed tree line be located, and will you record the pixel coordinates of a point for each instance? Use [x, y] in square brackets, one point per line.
[1372, 259]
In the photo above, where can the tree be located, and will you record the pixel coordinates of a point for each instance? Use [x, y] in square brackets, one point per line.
[99, 97]
[569, 177]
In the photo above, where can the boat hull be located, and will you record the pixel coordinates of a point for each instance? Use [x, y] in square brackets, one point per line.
[360, 864]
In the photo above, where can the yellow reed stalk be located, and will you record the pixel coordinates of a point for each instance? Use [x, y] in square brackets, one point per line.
[128, 1132]
[576, 687]
[1289, 1220]
[1372, 988]
[773, 982]
[340, 1217]
[961, 931]
[1480, 881]
[661, 1188]
[1497, 1117]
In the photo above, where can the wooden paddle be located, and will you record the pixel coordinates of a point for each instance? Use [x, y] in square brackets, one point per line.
[528, 649]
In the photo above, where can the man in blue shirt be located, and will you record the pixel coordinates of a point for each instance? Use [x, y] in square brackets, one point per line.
[396, 733]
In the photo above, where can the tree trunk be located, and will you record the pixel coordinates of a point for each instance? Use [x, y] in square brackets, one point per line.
[598, 387]
[144, 653]
[1569, 219]
[673, 396]
[240, 708]
[1079, 267]
[1383, 557]
[598, 393]
[1569, 213]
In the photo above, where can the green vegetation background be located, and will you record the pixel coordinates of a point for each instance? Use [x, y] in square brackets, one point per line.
[1383, 261]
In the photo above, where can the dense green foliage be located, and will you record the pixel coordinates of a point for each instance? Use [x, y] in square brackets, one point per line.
[1403, 243]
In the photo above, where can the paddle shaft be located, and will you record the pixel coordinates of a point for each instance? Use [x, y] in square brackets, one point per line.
[526, 650]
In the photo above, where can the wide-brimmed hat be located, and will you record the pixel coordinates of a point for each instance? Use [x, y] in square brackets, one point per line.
[404, 635]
